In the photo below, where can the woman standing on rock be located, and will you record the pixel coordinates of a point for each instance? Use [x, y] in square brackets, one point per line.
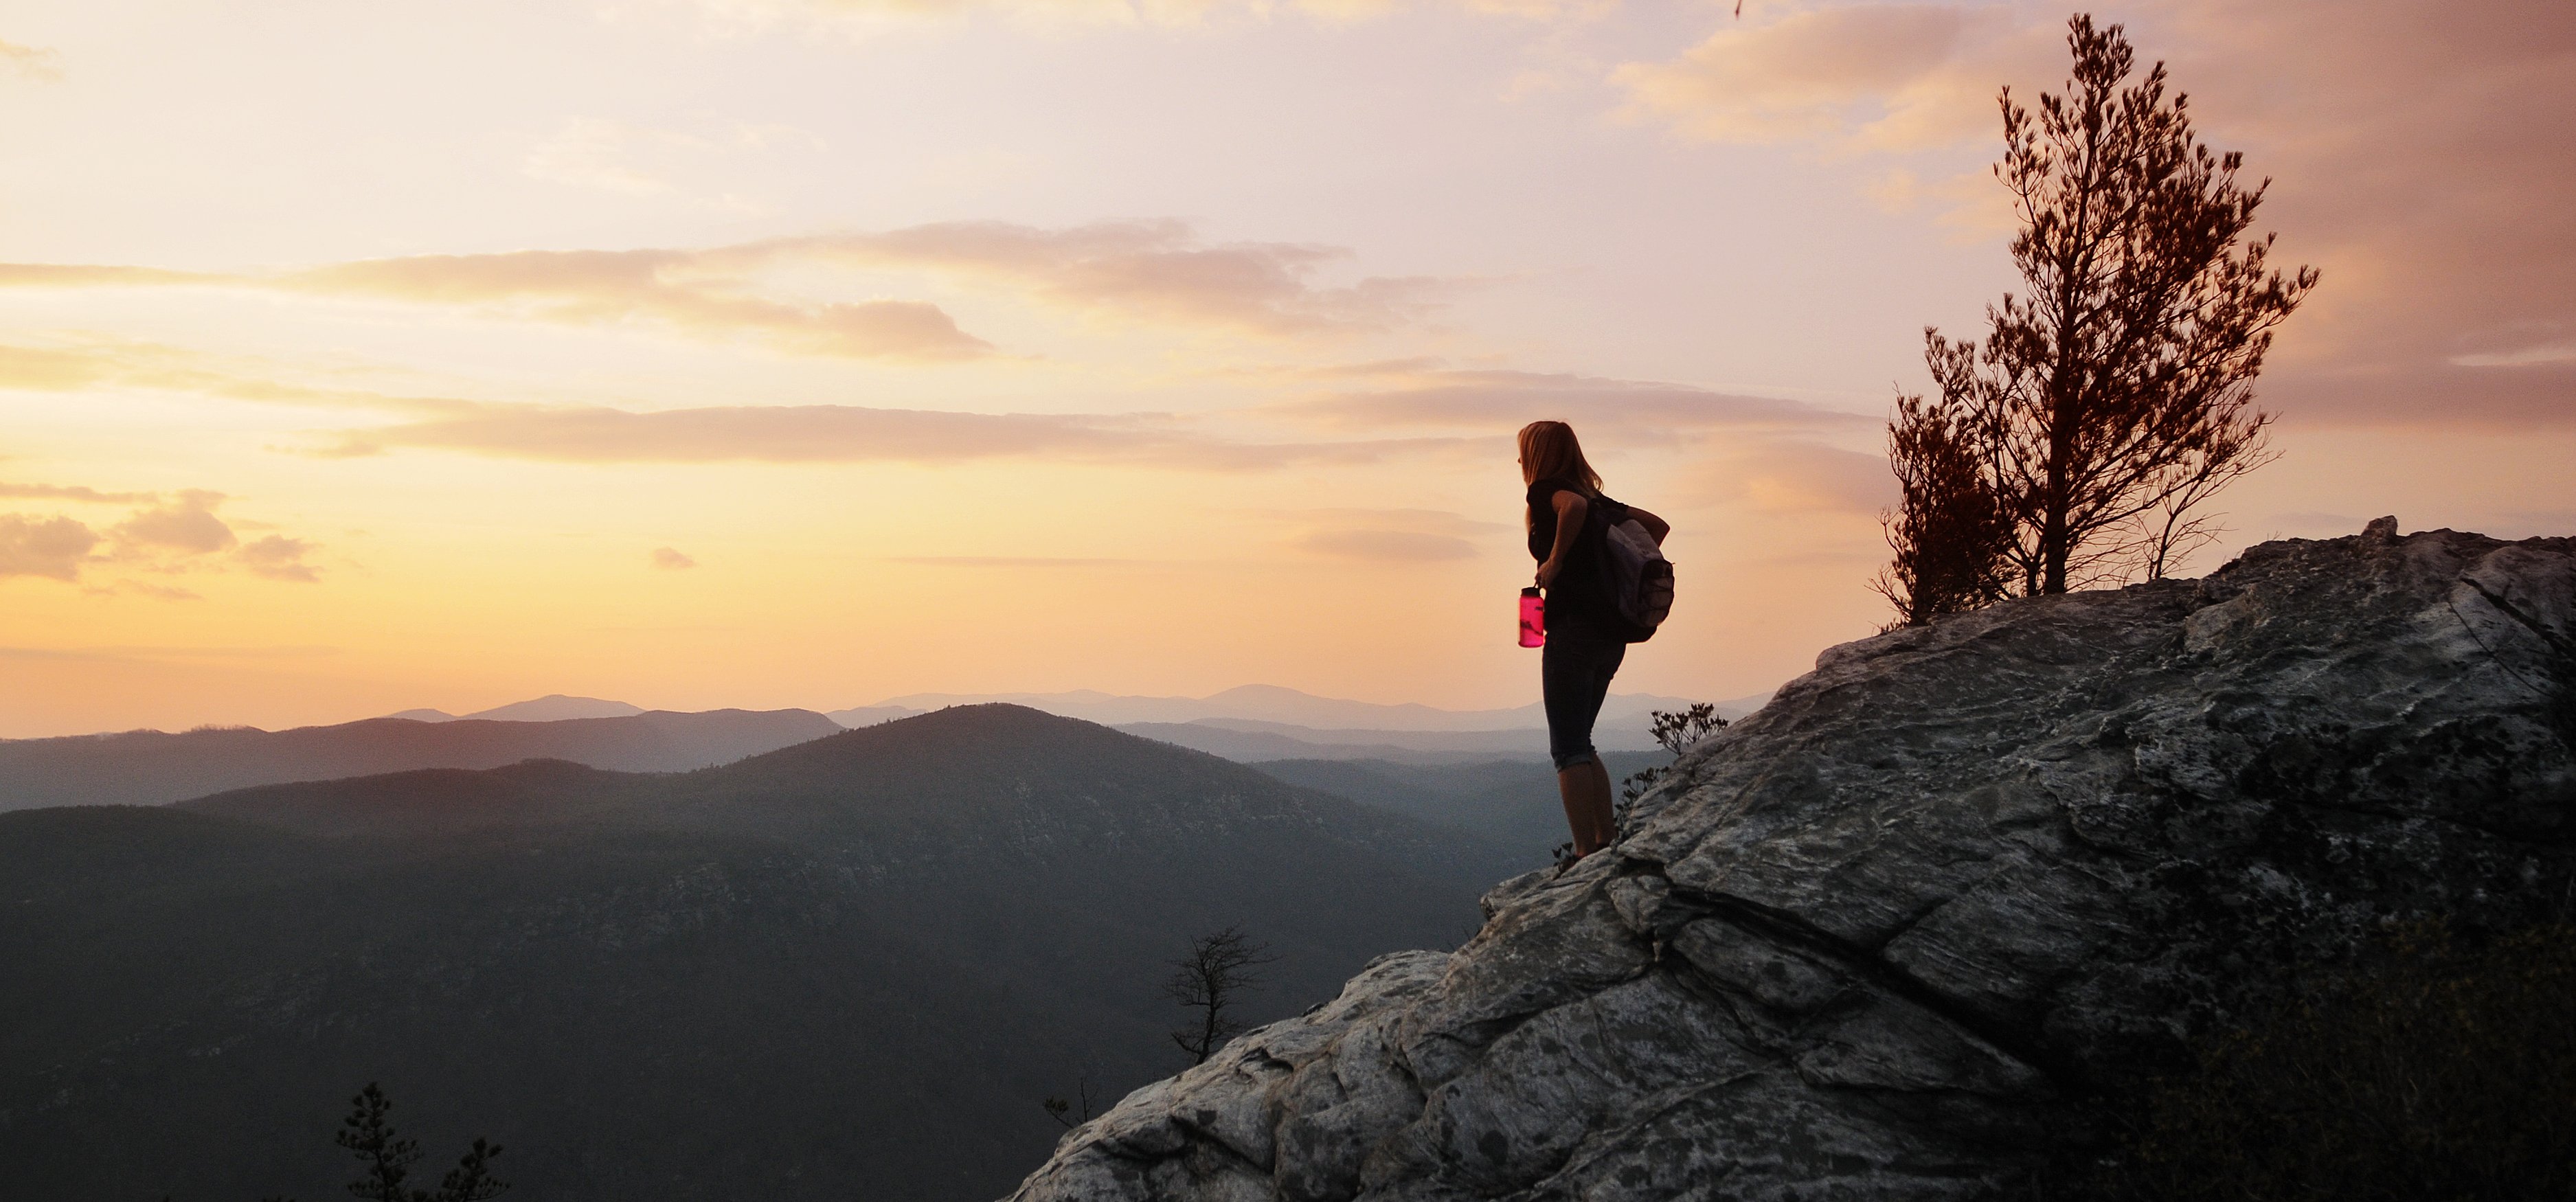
[1583, 647]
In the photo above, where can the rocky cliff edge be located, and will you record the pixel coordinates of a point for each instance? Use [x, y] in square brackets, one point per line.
[1874, 940]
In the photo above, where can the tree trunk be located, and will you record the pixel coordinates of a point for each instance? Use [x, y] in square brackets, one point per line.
[2054, 504]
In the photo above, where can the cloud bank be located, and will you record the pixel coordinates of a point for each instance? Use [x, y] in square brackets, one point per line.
[706, 434]
[53, 548]
[853, 434]
[1158, 270]
[1155, 272]
[863, 17]
[1419, 395]
[176, 536]
[73, 492]
[668, 289]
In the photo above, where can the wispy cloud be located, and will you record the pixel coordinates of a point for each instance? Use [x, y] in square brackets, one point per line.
[1151, 271]
[93, 275]
[1867, 76]
[864, 17]
[179, 534]
[277, 557]
[671, 559]
[664, 164]
[591, 152]
[188, 526]
[710, 434]
[667, 289]
[52, 547]
[145, 588]
[48, 370]
[115, 363]
[853, 434]
[31, 62]
[657, 289]
[74, 492]
[278, 652]
[1412, 395]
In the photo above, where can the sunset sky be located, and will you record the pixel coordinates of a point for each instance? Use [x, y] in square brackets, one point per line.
[769, 353]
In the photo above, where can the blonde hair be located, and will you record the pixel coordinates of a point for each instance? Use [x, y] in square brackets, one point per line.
[1550, 449]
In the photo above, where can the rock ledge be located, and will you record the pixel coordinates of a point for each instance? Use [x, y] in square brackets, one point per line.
[1869, 941]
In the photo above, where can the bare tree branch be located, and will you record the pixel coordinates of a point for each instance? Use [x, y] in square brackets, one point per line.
[1211, 979]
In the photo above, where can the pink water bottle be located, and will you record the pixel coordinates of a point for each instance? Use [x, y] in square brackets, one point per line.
[1533, 619]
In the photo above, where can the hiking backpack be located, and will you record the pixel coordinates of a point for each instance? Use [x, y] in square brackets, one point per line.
[1637, 578]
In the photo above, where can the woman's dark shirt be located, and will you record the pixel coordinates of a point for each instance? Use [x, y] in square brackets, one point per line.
[1578, 598]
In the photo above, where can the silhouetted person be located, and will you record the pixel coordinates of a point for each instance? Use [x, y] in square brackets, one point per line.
[1583, 648]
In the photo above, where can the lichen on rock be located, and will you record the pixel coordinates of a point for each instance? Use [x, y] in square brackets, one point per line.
[1874, 940]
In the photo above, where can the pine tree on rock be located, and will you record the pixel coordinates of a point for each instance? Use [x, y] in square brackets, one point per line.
[1951, 537]
[2115, 394]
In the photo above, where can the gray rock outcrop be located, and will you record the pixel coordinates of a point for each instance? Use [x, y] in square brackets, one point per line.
[1873, 941]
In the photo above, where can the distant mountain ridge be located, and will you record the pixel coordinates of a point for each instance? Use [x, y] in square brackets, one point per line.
[1289, 712]
[150, 767]
[553, 707]
[1273, 703]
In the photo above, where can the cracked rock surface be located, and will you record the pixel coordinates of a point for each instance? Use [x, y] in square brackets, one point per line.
[1872, 941]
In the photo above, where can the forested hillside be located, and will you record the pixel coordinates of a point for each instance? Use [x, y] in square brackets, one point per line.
[854, 967]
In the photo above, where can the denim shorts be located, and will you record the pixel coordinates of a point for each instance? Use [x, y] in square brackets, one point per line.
[1574, 672]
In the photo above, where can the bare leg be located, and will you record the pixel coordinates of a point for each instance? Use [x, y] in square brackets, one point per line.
[1585, 789]
[1578, 818]
[1605, 830]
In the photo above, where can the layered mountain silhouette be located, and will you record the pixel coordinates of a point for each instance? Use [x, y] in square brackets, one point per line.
[149, 767]
[851, 967]
[553, 707]
[1257, 723]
